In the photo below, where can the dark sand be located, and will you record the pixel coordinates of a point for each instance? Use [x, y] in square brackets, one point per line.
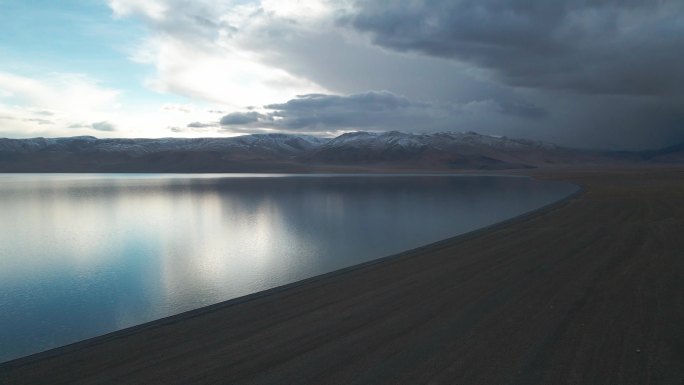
[588, 292]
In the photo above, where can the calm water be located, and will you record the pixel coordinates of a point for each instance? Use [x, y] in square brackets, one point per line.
[83, 255]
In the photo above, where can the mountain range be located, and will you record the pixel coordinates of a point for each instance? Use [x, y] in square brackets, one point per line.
[302, 153]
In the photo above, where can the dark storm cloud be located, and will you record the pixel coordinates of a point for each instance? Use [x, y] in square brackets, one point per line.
[369, 101]
[103, 126]
[588, 73]
[593, 46]
[321, 112]
[585, 73]
[524, 110]
[372, 110]
[616, 121]
[365, 110]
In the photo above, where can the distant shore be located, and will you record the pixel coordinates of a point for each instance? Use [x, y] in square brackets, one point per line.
[588, 290]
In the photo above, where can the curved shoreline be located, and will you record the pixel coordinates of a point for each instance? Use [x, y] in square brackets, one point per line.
[587, 290]
[269, 292]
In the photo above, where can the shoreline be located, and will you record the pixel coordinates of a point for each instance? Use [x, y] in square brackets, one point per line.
[275, 290]
[526, 300]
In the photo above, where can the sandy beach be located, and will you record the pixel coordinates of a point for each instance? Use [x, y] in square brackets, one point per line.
[588, 291]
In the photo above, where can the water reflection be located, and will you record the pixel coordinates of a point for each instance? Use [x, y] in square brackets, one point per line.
[82, 255]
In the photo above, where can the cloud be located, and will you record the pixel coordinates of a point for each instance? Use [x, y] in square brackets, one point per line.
[39, 121]
[597, 47]
[186, 108]
[63, 93]
[44, 113]
[369, 110]
[523, 109]
[202, 125]
[103, 126]
[195, 128]
[368, 101]
[152, 9]
[80, 125]
[323, 112]
[242, 118]
[373, 110]
[58, 104]
[593, 73]
[197, 52]
[51, 105]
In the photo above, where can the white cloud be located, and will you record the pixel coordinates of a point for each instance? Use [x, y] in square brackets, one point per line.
[228, 77]
[73, 104]
[150, 8]
[67, 93]
[302, 9]
[29, 105]
[206, 52]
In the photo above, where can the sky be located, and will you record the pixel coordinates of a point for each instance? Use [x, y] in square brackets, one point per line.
[582, 73]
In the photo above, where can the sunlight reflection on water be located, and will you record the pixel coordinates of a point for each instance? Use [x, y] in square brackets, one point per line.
[83, 255]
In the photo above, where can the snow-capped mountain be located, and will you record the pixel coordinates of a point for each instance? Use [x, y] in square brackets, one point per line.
[291, 153]
[453, 150]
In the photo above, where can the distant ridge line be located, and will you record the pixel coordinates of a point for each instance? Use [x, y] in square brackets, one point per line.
[280, 152]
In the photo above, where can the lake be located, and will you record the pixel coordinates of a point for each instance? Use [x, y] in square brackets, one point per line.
[82, 255]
